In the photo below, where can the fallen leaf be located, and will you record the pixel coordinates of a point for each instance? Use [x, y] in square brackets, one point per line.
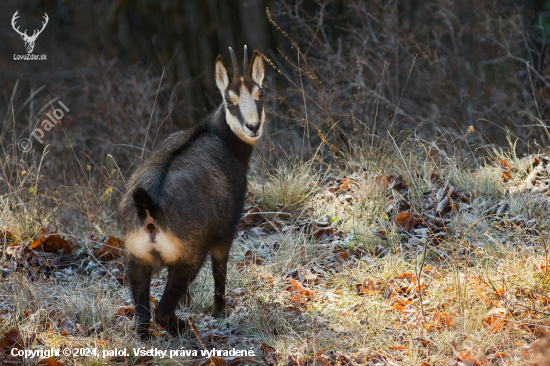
[270, 354]
[400, 304]
[49, 241]
[495, 320]
[320, 232]
[369, 287]
[249, 259]
[468, 358]
[214, 361]
[506, 169]
[110, 249]
[11, 339]
[49, 362]
[127, 312]
[407, 220]
[298, 294]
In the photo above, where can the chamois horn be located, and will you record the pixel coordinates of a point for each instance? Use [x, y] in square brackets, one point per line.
[236, 74]
[246, 71]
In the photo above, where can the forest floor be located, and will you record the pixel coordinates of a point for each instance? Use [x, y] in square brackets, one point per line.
[399, 262]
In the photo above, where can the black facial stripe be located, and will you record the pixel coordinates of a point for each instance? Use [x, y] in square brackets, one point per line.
[236, 112]
[259, 107]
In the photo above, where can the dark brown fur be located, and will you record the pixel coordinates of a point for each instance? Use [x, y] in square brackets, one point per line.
[192, 188]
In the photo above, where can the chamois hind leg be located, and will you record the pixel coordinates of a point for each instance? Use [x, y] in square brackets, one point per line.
[179, 278]
[139, 275]
[219, 256]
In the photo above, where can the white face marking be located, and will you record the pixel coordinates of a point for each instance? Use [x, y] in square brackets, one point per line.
[247, 106]
[139, 244]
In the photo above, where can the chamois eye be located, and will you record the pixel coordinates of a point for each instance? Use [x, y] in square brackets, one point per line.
[228, 101]
[261, 94]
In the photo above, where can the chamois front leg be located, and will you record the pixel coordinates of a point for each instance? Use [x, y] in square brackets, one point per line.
[139, 276]
[220, 255]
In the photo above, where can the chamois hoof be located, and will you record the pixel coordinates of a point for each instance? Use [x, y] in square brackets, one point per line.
[222, 312]
[173, 325]
[143, 331]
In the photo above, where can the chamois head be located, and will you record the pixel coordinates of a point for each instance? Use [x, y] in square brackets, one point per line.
[243, 96]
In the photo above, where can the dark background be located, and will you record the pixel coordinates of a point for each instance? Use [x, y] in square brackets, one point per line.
[134, 71]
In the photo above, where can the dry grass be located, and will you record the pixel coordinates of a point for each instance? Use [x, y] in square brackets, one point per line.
[451, 317]
[348, 112]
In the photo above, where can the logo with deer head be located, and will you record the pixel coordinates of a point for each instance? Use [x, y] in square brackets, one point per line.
[29, 40]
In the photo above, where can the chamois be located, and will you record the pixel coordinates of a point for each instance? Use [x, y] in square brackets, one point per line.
[185, 201]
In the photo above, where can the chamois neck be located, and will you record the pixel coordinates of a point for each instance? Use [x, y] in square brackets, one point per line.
[219, 126]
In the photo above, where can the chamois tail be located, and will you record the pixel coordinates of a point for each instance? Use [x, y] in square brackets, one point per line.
[148, 210]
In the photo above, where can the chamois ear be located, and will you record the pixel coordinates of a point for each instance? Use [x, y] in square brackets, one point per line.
[222, 77]
[257, 68]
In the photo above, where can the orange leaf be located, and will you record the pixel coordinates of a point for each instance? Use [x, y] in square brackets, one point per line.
[49, 362]
[506, 169]
[214, 361]
[468, 358]
[400, 305]
[407, 220]
[447, 320]
[110, 249]
[295, 286]
[49, 241]
[296, 298]
[127, 312]
[369, 287]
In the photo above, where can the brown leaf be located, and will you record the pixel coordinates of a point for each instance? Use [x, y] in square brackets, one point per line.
[369, 287]
[495, 320]
[110, 249]
[49, 241]
[214, 361]
[296, 298]
[435, 178]
[68, 326]
[251, 217]
[506, 169]
[293, 361]
[457, 194]
[49, 362]
[248, 259]
[270, 354]
[295, 286]
[407, 220]
[11, 339]
[127, 312]
[320, 232]
[382, 234]
[468, 358]
[241, 361]
[400, 305]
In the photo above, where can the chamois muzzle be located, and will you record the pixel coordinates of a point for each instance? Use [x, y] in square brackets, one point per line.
[254, 128]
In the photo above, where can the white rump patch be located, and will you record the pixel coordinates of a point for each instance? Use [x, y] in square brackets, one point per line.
[139, 244]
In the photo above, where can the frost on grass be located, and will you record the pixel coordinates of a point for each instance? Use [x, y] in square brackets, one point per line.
[361, 266]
